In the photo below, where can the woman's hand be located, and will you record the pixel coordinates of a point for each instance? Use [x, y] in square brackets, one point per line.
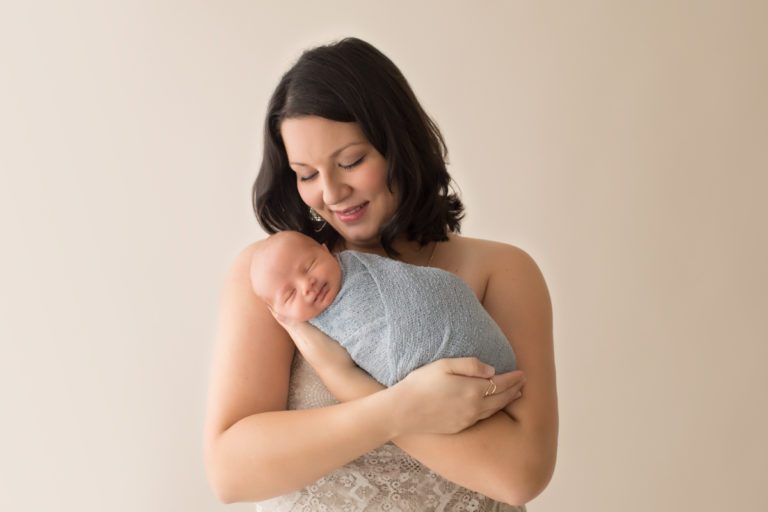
[449, 395]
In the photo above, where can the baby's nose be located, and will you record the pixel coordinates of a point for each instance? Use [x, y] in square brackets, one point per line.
[309, 284]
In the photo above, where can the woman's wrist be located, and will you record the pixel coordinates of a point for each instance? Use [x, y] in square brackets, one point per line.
[391, 402]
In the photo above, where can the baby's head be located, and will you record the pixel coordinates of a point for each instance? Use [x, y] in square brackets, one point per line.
[296, 276]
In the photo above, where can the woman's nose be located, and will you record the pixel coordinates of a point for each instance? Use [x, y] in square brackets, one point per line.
[334, 188]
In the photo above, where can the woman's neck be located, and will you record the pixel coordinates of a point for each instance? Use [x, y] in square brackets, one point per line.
[409, 251]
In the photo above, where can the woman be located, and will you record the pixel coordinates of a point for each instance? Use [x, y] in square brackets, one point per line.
[352, 160]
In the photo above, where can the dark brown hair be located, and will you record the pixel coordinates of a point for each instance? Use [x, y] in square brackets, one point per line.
[351, 81]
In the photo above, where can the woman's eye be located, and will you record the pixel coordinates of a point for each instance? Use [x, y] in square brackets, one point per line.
[353, 164]
[307, 178]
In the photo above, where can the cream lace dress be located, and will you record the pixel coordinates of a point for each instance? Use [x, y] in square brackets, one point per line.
[386, 478]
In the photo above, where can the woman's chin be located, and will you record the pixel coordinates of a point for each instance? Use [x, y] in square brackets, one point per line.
[360, 237]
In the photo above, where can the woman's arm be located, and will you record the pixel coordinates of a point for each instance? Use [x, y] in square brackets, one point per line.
[463, 376]
[509, 457]
[254, 448]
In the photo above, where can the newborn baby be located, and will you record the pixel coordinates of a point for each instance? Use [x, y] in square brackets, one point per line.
[390, 316]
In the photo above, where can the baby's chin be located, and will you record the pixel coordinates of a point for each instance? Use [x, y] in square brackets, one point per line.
[306, 318]
[332, 293]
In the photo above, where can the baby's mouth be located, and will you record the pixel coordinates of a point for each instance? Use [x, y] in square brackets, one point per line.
[321, 293]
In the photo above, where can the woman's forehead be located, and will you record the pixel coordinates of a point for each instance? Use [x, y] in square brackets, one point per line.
[313, 138]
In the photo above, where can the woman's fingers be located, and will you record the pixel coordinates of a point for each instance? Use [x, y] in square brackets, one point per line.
[501, 390]
[505, 381]
[502, 397]
[439, 397]
[468, 367]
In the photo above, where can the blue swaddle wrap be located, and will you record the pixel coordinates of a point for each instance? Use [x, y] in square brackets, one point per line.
[393, 317]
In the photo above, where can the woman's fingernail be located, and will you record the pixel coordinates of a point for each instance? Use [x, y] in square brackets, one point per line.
[519, 394]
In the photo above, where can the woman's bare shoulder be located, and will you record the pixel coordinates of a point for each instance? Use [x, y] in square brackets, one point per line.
[490, 255]
[240, 268]
[482, 263]
[515, 292]
[461, 242]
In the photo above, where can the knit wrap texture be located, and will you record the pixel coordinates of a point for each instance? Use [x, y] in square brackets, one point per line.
[393, 317]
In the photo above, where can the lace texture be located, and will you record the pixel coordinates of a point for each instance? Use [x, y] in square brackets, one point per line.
[386, 478]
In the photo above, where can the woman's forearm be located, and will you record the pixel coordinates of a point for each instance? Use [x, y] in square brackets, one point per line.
[273, 453]
[498, 457]
[501, 457]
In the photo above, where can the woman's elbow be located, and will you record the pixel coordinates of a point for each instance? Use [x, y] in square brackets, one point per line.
[223, 488]
[224, 496]
[219, 483]
[528, 486]
[521, 494]
[227, 487]
[219, 478]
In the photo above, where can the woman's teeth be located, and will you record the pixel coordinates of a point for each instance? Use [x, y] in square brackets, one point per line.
[353, 210]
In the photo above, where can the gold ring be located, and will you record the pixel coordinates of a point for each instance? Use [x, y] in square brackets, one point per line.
[491, 388]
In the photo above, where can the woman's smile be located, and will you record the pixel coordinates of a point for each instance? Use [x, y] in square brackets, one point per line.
[352, 214]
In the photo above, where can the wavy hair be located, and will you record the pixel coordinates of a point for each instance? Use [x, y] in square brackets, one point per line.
[351, 81]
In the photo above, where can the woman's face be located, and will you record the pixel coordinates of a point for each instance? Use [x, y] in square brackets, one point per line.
[341, 175]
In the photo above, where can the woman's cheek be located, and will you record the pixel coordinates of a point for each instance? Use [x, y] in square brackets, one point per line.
[372, 182]
[375, 180]
[308, 196]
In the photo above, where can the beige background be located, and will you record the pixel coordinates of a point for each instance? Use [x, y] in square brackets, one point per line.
[622, 144]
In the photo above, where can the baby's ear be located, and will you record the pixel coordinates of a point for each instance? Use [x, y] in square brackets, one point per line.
[326, 247]
[280, 318]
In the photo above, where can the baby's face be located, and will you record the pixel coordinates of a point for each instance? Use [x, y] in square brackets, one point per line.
[297, 277]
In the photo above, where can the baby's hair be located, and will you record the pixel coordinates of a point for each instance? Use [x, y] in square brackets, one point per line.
[260, 248]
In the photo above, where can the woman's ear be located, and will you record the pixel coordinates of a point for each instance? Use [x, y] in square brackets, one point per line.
[326, 247]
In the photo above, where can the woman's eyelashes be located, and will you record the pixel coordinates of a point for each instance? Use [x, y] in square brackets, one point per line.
[307, 178]
[346, 167]
[353, 164]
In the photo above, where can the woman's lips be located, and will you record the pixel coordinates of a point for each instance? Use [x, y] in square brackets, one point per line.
[351, 214]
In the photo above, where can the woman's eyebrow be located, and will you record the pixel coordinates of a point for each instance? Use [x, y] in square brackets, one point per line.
[332, 155]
